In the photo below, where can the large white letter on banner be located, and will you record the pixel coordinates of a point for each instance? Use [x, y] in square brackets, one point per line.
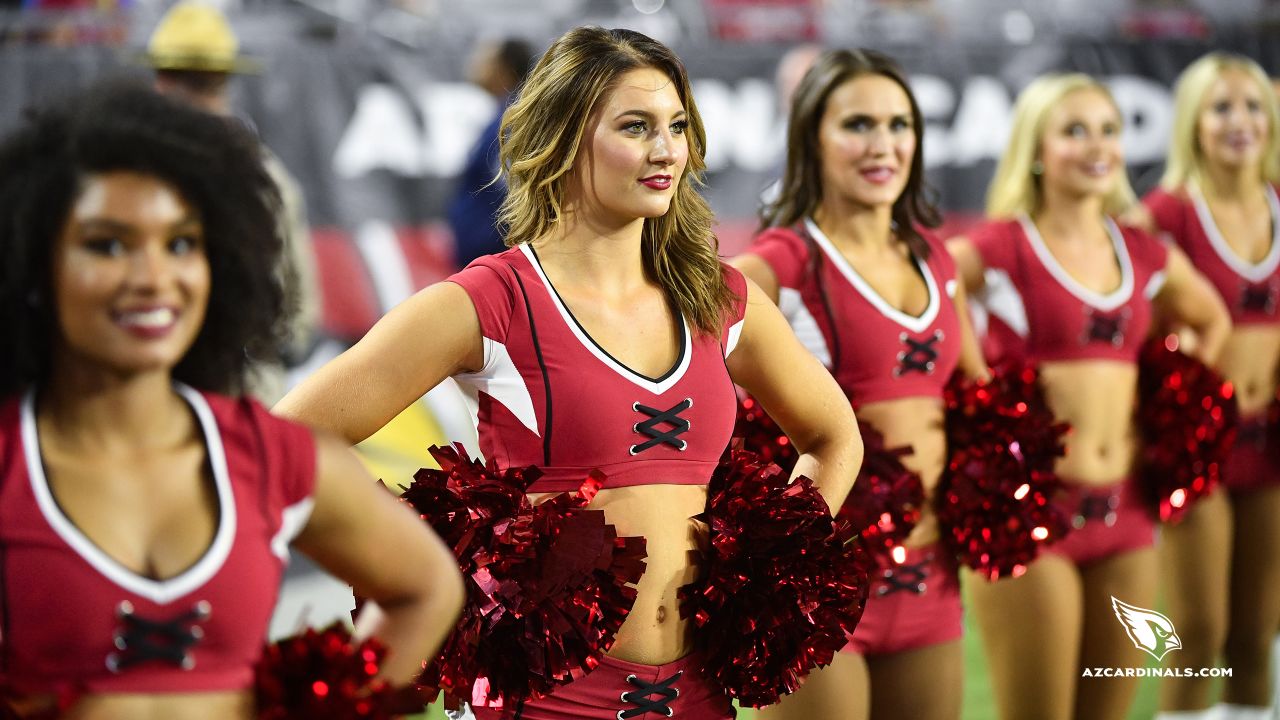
[1147, 109]
[382, 135]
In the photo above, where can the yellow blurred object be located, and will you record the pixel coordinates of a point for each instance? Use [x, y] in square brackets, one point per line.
[196, 36]
[399, 449]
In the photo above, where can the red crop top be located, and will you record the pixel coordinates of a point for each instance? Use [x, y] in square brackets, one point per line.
[76, 621]
[1250, 290]
[1039, 312]
[875, 351]
[548, 395]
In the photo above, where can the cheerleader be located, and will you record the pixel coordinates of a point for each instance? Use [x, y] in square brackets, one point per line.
[146, 506]
[876, 299]
[1217, 201]
[609, 336]
[1073, 292]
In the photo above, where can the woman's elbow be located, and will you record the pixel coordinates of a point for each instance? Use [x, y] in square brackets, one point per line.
[843, 443]
[448, 592]
[857, 450]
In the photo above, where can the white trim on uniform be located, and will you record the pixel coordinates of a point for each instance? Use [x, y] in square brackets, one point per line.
[916, 324]
[803, 324]
[158, 591]
[1001, 299]
[292, 521]
[657, 388]
[735, 334]
[1255, 272]
[501, 380]
[1109, 301]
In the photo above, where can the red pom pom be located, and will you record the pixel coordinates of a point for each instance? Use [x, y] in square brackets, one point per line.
[1188, 418]
[783, 581]
[322, 675]
[548, 586]
[994, 501]
[884, 505]
[761, 435]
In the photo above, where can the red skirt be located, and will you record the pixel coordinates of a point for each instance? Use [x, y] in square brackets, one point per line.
[620, 690]
[1106, 521]
[912, 605]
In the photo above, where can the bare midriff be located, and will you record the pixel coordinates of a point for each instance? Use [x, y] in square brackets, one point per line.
[918, 423]
[1249, 360]
[654, 633]
[221, 705]
[1097, 398]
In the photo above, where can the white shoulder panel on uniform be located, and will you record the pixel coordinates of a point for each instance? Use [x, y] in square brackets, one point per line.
[803, 324]
[500, 380]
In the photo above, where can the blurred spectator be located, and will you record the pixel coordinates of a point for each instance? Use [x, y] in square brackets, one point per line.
[791, 68]
[195, 54]
[498, 68]
[902, 21]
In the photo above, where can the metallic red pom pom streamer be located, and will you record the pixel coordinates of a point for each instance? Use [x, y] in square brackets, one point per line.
[884, 505]
[548, 586]
[324, 675]
[994, 503]
[782, 584]
[1188, 418]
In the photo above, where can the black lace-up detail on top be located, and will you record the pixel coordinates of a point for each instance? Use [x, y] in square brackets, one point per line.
[1106, 328]
[1259, 298]
[1097, 507]
[677, 426]
[907, 576]
[920, 355]
[139, 639]
[644, 698]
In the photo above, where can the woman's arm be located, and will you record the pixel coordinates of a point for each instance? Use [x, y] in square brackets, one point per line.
[1141, 217]
[759, 272]
[422, 341]
[969, 263]
[972, 363]
[1187, 298]
[798, 392]
[363, 535]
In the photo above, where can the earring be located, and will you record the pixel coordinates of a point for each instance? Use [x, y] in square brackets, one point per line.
[33, 299]
[1037, 168]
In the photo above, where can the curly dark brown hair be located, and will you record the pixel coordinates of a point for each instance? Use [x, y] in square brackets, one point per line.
[216, 165]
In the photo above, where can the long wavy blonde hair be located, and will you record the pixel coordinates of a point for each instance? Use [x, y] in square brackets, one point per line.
[540, 137]
[1015, 189]
[1186, 161]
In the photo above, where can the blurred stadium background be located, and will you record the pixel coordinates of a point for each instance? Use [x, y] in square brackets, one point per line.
[366, 102]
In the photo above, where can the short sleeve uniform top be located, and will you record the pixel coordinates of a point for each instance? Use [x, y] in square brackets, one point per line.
[549, 395]
[1251, 291]
[875, 351]
[1037, 311]
[75, 620]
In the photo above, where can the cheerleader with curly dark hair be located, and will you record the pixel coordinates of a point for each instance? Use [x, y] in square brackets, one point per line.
[146, 508]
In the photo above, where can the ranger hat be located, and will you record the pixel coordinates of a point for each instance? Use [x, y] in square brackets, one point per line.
[196, 36]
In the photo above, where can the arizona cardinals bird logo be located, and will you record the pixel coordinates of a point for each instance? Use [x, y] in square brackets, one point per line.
[1150, 631]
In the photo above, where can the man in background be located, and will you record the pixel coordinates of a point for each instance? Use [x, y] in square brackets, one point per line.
[195, 54]
[498, 68]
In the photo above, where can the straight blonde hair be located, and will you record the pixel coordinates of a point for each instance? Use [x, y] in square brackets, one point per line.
[1015, 189]
[1186, 161]
[539, 140]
